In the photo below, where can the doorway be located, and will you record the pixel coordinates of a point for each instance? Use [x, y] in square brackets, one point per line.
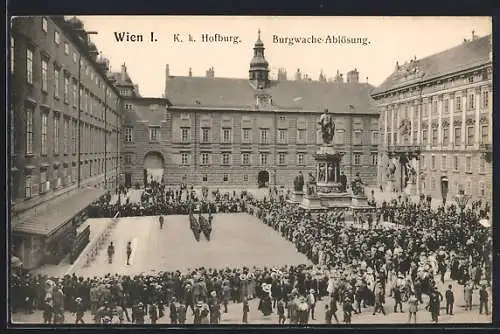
[263, 178]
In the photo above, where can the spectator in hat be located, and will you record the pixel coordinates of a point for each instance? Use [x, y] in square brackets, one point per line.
[483, 299]
[396, 294]
[173, 311]
[226, 294]
[412, 307]
[138, 314]
[347, 307]
[79, 311]
[181, 313]
[468, 291]
[311, 301]
[246, 309]
[450, 300]
[281, 312]
[48, 310]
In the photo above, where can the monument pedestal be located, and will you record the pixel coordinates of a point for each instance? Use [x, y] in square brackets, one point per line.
[297, 197]
[330, 192]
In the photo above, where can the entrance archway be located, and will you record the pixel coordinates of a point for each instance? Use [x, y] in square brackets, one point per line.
[263, 178]
[153, 167]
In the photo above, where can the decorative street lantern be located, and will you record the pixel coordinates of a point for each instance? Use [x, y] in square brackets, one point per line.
[462, 199]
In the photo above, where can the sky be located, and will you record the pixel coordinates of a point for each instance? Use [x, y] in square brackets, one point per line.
[391, 40]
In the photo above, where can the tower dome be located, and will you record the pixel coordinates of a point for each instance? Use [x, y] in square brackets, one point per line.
[259, 67]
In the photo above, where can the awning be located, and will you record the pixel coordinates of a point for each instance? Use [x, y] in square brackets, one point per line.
[57, 213]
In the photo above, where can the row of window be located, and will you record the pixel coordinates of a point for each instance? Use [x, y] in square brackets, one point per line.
[92, 137]
[205, 158]
[454, 163]
[265, 138]
[60, 176]
[392, 137]
[453, 187]
[432, 107]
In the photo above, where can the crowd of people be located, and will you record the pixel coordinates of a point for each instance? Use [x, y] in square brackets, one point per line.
[355, 267]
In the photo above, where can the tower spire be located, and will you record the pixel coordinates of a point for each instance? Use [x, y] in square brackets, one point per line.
[259, 67]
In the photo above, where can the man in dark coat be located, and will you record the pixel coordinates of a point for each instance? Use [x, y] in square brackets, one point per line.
[450, 300]
[173, 311]
[343, 181]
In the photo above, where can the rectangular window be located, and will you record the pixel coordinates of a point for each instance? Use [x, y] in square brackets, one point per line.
[374, 159]
[264, 136]
[458, 104]
[74, 173]
[470, 101]
[433, 162]
[340, 137]
[482, 165]
[424, 137]
[434, 137]
[66, 135]
[245, 158]
[443, 163]
[374, 138]
[300, 159]
[263, 158]
[434, 107]
[357, 138]
[154, 134]
[484, 134]
[29, 66]
[185, 134]
[455, 163]
[458, 136]
[485, 99]
[283, 136]
[75, 94]
[185, 158]
[204, 135]
[44, 134]
[281, 158]
[82, 99]
[357, 158]
[55, 133]
[29, 130]
[204, 158]
[45, 66]
[470, 135]
[446, 106]
[57, 37]
[74, 134]
[45, 25]
[226, 158]
[205, 178]
[422, 161]
[27, 186]
[225, 178]
[226, 135]
[56, 82]
[128, 158]
[301, 135]
[43, 176]
[246, 135]
[468, 164]
[446, 136]
[66, 89]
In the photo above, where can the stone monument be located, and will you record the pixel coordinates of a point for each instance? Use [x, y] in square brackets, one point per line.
[329, 191]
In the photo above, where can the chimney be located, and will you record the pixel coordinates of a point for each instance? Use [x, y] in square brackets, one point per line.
[210, 73]
[353, 76]
[190, 72]
[124, 71]
[282, 76]
[298, 75]
[474, 36]
[339, 77]
[167, 71]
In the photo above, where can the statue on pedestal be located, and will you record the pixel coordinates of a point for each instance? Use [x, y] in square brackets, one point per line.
[311, 185]
[357, 186]
[327, 127]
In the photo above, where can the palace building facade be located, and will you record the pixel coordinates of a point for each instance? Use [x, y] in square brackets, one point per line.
[65, 121]
[436, 123]
[245, 132]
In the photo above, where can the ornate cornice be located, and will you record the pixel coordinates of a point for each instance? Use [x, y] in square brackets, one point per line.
[457, 122]
[470, 121]
[445, 123]
[434, 124]
[483, 120]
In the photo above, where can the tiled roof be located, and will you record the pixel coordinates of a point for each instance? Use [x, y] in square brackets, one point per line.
[56, 214]
[119, 80]
[287, 95]
[461, 57]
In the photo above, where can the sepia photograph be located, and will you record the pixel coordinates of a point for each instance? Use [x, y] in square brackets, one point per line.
[250, 170]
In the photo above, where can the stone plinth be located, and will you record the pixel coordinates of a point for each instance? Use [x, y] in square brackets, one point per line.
[297, 197]
[312, 202]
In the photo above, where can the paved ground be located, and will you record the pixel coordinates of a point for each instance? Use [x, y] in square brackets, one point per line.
[233, 243]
